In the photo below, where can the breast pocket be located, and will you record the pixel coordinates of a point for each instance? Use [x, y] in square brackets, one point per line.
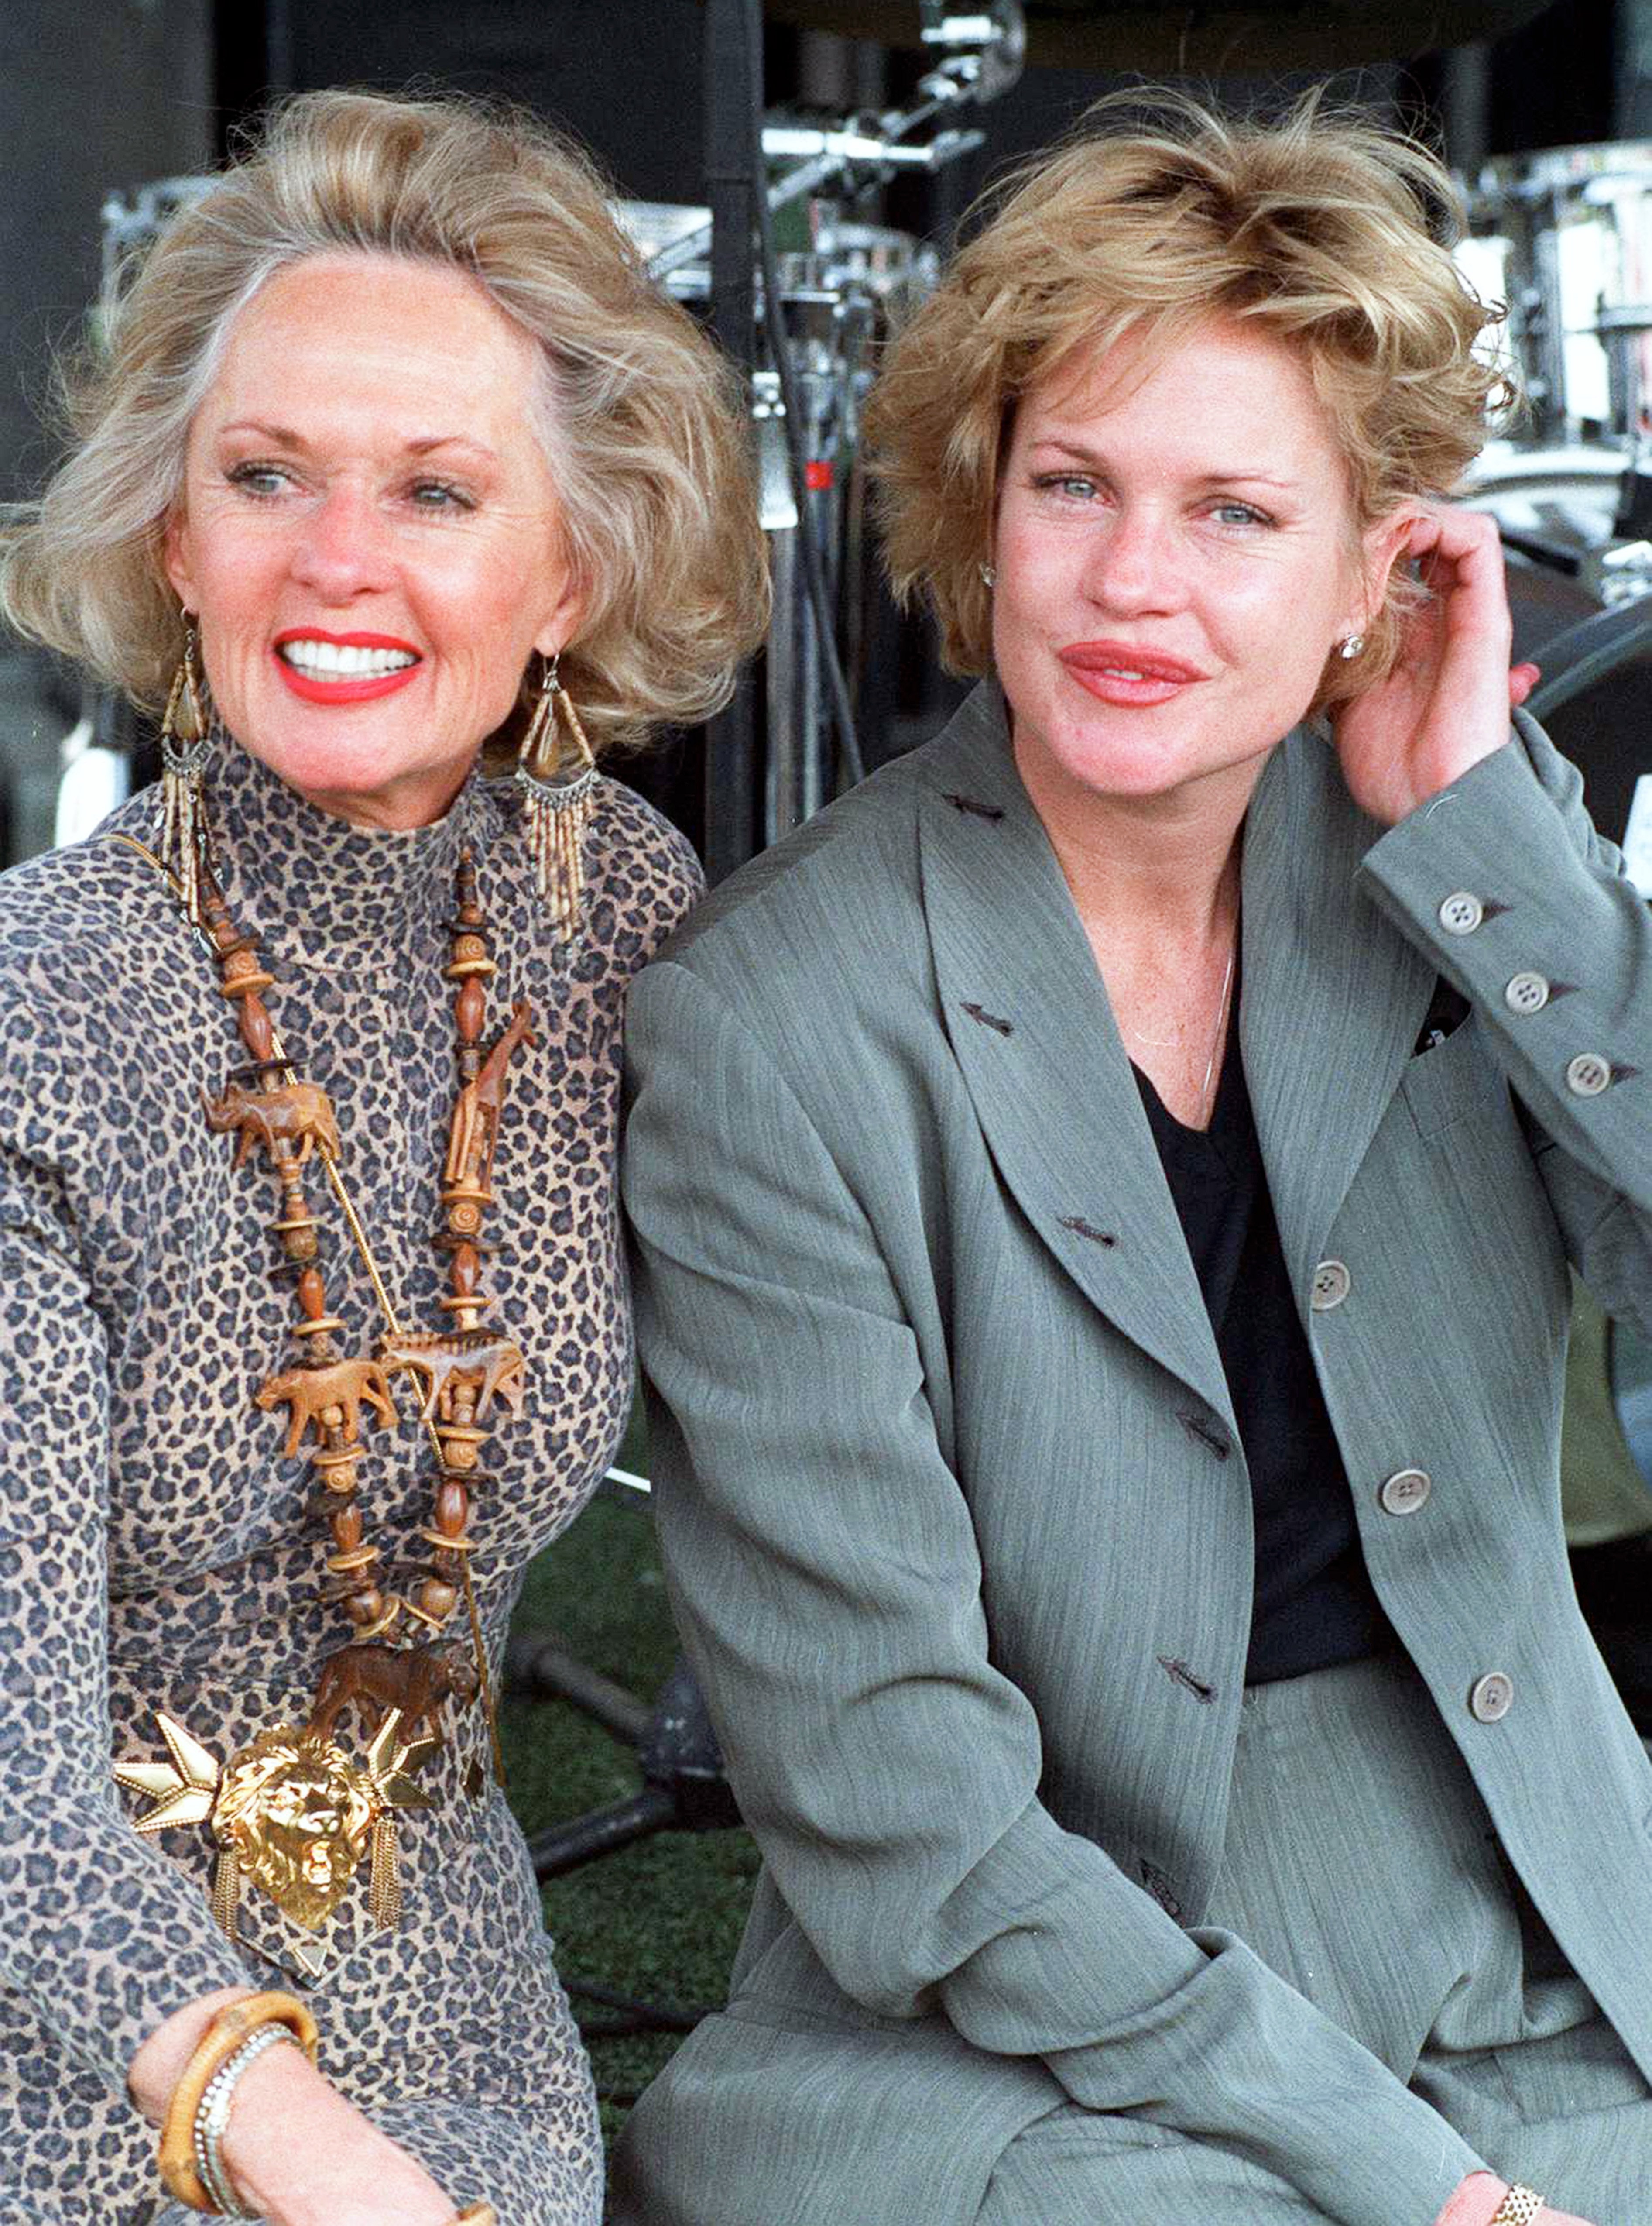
[1453, 1082]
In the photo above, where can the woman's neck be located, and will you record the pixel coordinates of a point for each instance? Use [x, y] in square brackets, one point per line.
[1155, 882]
[1158, 868]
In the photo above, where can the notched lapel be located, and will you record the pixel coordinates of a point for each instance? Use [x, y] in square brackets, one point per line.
[1334, 998]
[1029, 1022]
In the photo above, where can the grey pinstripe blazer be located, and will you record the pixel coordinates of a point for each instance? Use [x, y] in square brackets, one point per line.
[956, 1521]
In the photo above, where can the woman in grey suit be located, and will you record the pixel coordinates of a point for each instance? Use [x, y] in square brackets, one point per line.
[1104, 1197]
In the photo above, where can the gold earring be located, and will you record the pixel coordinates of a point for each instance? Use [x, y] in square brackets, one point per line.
[556, 788]
[186, 745]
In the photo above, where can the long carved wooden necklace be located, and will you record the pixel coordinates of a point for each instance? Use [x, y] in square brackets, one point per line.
[291, 1811]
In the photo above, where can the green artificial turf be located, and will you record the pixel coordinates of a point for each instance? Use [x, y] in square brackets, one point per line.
[659, 1921]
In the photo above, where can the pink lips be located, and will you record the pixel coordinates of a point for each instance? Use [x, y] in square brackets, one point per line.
[1121, 673]
[344, 688]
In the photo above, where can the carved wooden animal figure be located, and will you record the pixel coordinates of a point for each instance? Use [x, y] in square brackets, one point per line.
[308, 1392]
[415, 1679]
[488, 1364]
[298, 1113]
[476, 1113]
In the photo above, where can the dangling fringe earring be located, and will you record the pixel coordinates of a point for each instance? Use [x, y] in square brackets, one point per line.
[185, 744]
[558, 803]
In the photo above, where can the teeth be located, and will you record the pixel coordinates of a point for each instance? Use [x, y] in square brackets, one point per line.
[332, 660]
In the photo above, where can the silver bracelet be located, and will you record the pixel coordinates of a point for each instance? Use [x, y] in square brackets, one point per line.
[1518, 2208]
[212, 2116]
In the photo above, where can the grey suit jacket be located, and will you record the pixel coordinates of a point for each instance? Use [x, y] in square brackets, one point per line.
[955, 1518]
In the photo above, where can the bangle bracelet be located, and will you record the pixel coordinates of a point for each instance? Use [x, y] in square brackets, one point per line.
[226, 2033]
[212, 2117]
[1518, 2208]
[475, 2214]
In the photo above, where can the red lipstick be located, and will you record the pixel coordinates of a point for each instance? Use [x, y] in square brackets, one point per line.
[314, 683]
[1123, 673]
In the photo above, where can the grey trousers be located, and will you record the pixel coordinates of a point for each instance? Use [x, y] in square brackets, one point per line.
[1360, 1864]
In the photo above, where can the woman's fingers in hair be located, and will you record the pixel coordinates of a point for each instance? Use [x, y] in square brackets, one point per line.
[1456, 556]
[1523, 678]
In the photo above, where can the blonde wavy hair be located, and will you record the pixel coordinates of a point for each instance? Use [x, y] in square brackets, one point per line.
[641, 417]
[1325, 229]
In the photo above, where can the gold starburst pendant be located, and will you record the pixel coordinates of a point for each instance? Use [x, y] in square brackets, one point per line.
[289, 1811]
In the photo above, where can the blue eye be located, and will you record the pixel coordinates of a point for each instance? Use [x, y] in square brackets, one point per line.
[261, 479]
[439, 494]
[1077, 486]
[1240, 513]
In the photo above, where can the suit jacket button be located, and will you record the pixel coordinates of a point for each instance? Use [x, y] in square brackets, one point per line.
[1331, 1286]
[1526, 993]
[1588, 1074]
[1492, 1696]
[1404, 1492]
[1462, 912]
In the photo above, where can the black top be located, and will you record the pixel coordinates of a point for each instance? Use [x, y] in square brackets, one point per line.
[1314, 1601]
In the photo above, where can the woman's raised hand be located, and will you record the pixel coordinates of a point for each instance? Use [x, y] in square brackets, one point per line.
[1445, 705]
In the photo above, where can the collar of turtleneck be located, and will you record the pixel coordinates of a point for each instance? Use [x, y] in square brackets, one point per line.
[316, 886]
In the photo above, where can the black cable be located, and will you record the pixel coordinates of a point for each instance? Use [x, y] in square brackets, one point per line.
[773, 318]
[1588, 651]
[732, 185]
[664, 2016]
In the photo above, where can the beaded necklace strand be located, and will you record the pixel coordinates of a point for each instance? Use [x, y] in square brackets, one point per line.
[331, 1397]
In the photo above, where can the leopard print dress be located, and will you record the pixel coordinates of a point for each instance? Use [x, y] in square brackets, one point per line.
[154, 1549]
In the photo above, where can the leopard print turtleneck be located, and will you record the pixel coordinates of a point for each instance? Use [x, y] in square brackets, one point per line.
[154, 1549]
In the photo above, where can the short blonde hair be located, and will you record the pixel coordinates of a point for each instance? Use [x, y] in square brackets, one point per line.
[641, 420]
[1325, 229]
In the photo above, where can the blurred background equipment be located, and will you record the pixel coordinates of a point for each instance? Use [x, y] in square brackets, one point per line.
[1139, 37]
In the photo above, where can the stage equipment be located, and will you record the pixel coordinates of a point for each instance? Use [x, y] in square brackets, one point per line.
[978, 55]
[98, 755]
[130, 226]
[683, 1786]
[1155, 39]
[839, 298]
[1565, 238]
[821, 306]
[1580, 590]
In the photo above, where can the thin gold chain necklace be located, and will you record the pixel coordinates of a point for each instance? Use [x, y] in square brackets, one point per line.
[1164, 1043]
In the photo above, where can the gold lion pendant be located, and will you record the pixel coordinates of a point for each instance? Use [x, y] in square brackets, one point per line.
[290, 1812]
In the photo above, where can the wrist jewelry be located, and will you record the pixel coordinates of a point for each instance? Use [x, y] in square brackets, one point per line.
[1518, 2208]
[212, 2117]
[476, 2214]
[226, 2035]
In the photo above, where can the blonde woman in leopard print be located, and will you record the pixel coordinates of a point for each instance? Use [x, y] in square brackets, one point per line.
[394, 417]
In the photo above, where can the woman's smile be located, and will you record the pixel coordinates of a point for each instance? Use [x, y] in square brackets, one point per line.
[348, 668]
[1117, 672]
